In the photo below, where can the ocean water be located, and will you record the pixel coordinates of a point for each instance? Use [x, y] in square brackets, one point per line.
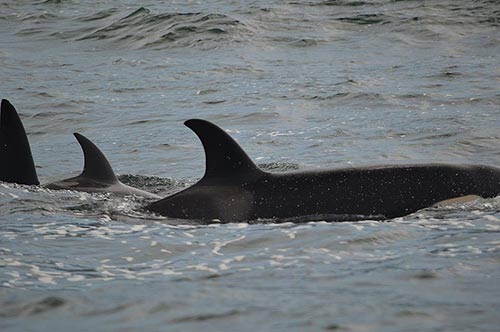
[299, 84]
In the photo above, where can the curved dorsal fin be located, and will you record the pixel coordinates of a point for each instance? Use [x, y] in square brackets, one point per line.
[96, 165]
[16, 160]
[224, 157]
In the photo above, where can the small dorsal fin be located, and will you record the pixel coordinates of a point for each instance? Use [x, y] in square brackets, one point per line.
[96, 165]
[16, 160]
[224, 157]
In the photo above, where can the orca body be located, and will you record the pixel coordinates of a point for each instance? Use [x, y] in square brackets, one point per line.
[16, 160]
[234, 189]
[97, 174]
[17, 166]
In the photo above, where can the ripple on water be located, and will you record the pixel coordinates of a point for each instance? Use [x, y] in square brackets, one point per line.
[33, 307]
[144, 29]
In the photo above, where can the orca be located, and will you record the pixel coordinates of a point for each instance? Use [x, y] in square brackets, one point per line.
[234, 189]
[97, 174]
[17, 166]
[16, 160]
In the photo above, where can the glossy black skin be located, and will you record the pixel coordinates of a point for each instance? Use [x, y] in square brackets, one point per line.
[381, 192]
[242, 192]
[16, 161]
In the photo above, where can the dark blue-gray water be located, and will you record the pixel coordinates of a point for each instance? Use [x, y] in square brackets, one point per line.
[299, 84]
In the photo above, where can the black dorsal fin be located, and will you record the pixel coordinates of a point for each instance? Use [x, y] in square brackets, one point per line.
[16, 160]
[224, 157]
[96, 165]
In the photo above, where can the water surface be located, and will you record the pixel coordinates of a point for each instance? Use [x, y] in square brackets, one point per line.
[299, 84]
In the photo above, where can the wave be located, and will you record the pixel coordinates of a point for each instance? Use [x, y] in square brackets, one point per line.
[145, 29]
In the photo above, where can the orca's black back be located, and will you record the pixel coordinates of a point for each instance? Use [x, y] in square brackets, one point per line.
[16, 161]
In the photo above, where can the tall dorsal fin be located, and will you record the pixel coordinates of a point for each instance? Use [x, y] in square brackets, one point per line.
[96, 165]
[224, 157]
[16, 160]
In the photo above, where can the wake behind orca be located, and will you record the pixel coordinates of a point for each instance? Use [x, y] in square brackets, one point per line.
[234, 189]
[17, 166]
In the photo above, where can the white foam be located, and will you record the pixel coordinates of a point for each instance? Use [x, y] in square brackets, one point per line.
[219, 245]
